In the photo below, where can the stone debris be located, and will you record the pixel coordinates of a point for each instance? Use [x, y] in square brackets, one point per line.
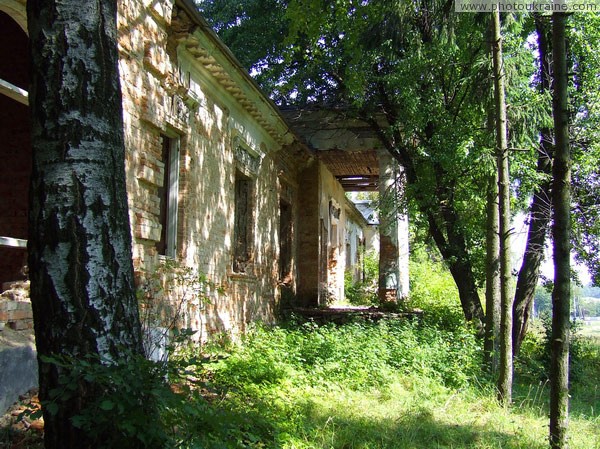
[15, 306]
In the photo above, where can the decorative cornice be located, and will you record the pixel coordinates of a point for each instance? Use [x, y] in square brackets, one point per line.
[202, 43]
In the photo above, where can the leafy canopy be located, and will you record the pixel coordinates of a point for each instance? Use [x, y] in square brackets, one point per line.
[427, 71]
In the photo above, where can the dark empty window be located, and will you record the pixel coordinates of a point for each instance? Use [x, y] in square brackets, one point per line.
[285, 242]
[242, 234]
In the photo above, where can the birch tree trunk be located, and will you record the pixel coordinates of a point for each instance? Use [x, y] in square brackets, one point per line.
[561, 201]
[80, 262]
[505, 374]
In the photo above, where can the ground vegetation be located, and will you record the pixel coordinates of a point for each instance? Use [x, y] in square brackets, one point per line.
[387, 384]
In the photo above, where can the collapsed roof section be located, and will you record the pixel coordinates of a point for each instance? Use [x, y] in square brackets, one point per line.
[348, 146]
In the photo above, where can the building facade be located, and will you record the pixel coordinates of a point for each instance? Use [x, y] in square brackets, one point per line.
[219, 187]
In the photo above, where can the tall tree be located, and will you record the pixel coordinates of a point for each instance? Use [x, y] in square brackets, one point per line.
[492, 279]
[539, 210]
[561, 202]
[389, 59]
[433, 141]
[584, 40]
[80, 262]
[505, 369]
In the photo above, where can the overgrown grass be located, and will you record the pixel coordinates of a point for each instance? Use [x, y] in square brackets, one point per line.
[433, 290]
[384, 385]
[356, 355]
[391, 384]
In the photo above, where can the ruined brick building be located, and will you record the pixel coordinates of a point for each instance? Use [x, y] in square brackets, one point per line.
[217, 178]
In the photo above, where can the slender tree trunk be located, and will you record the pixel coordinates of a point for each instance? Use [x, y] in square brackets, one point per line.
[491, 343]
[80, 261]
[561, 201]
[492, 275]
[540, 210]
[505, 369]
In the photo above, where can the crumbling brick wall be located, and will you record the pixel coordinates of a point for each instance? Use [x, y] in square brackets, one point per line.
[175, 82]
[178, 82]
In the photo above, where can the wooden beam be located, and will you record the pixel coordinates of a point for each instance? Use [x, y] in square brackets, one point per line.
[14, 92]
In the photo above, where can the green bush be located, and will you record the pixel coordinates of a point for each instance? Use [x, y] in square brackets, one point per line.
[534, 359]
[433, 290]
[127, 395]
[136, 407]
[357, 356]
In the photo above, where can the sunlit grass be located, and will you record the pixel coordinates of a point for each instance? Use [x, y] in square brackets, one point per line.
[396, 385]
[311, 393]
[591, 329]
[407, 416]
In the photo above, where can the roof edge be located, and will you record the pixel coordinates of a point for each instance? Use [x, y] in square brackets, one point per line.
[192, 10]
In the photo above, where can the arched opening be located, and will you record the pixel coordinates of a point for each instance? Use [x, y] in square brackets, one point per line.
[15, 148]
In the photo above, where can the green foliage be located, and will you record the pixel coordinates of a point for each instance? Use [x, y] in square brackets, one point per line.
[534, 360]
[382, 385]
[135, 406]
[432, 290]
[247, 410]
[532, 366]
[254, 30]
[391, 384]
[584, 39]
[128, 394]
[363, 292]
[358, 355]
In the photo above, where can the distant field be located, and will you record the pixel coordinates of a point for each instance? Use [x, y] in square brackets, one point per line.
[591, 329]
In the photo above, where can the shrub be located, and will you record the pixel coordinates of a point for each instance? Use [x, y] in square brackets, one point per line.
[142, 404]
[357, 356]
[534, 359]
[128, 396]
[433, 290]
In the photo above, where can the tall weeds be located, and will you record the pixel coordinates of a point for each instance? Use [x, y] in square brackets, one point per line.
[381, 385]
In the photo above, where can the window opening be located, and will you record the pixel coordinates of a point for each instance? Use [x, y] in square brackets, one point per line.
[285, 242]
[169, 195]
[242, 252]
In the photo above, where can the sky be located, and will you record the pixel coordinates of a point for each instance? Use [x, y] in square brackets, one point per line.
[547, 269]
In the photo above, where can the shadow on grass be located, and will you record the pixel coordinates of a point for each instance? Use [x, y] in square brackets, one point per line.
[584, 402]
